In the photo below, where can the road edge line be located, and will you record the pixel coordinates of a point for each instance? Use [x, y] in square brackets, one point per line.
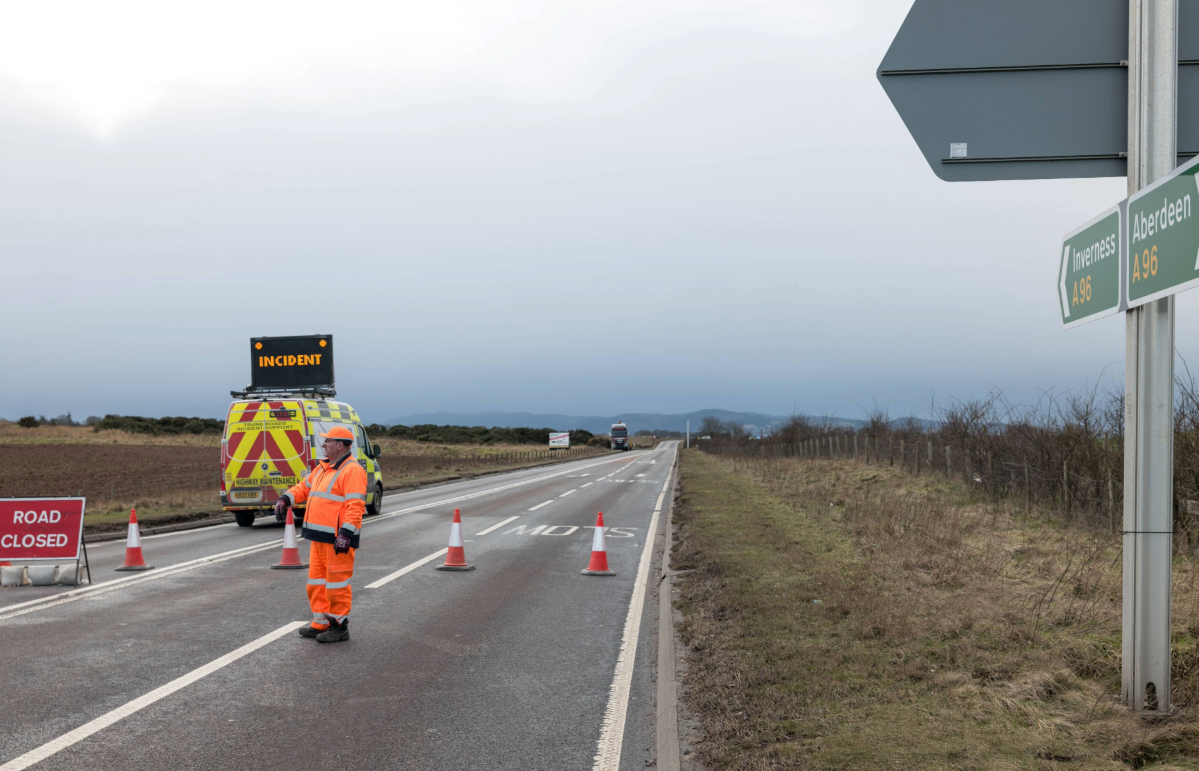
[70, 738]
[667, 708]
[611, 740]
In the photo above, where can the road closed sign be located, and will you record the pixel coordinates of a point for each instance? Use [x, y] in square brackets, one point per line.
[560, 439]
[41, 528]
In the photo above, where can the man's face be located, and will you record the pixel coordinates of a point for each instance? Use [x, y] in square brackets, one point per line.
[334, 449]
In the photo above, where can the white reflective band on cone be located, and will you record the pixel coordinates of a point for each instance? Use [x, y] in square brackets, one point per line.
[597, 542]
[135, 538]
[455, 535]
[289, 537]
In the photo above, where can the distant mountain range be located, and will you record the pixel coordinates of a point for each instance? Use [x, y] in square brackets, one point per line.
[596, 424]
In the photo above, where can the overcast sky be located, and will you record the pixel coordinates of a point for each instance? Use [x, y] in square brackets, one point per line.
[575, 207]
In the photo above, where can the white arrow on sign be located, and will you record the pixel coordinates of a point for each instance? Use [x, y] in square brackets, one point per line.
[1062, 285]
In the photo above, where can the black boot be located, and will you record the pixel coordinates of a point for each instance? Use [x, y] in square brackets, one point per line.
[335, 633]
[310, 631]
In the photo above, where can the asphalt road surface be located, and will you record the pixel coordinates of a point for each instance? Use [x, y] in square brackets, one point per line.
[515, 665]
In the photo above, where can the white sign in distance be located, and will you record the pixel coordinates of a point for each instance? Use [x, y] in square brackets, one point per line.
[560, 439]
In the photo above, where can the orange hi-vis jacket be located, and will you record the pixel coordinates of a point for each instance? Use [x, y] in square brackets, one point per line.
[334, 500]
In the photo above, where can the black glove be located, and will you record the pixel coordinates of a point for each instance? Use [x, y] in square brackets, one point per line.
[281, 509]
[341, 544]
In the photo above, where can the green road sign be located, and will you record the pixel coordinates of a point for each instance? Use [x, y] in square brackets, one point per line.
[1163, 237]
[1088, 281]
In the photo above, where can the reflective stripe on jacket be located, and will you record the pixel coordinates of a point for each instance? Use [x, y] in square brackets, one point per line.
[334, 499]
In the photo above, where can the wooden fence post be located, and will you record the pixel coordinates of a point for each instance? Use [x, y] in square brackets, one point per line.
[1027, 488]
[948, 462]
[1111, 502]
[903, 454]
[930, 457]
[1066, 489]
[855, 446]
[891, 451]
[991, 475]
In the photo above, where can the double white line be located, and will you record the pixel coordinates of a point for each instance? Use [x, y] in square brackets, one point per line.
[30, 606]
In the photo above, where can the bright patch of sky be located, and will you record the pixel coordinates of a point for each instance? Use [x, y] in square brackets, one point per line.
[105, 63]
[569, 207]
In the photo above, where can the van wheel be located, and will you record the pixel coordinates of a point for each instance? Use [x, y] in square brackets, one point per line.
[376, 501]
[244, 518]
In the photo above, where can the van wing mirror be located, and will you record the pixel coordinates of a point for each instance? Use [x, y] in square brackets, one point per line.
[375, 449]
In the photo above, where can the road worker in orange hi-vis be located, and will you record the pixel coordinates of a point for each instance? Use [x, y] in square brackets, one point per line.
[334, 497]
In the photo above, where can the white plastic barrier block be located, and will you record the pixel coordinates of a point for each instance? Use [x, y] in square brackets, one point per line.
[13, 576]
[41, 575]
[68, 575]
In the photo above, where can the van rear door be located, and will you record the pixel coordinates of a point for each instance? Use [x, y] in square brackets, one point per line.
[264, 452]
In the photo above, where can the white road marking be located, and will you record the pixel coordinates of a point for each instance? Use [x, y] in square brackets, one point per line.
[661, 497]
[538, 506]
[86, 592]
[192, 531]
[589, 484]
[481, 493]
[497, 525]
[120, 713]
[639, 475]
[30, 606]
[406, 569]
[568, 492]
[568, 528]
[607, 756]
[521, 530]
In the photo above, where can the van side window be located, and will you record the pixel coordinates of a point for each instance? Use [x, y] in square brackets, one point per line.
[363, 442]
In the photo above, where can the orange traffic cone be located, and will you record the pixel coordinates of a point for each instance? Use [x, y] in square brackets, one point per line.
[291, 553]
[133, 547]
[455, 558]
[599, 552]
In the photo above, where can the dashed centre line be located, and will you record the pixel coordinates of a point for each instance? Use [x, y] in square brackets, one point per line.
[497, 526]
[538, 506]
[568, 492]
[589, 484]
[406, 569]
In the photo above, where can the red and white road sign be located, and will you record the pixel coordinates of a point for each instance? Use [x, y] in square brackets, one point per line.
[41, 528]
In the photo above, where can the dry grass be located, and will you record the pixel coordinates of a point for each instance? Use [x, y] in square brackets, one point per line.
[842, 616]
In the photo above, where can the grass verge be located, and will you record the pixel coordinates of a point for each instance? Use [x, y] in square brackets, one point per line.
[842, 616]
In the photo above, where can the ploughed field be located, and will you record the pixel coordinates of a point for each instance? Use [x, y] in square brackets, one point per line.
[175, 478]
[113, 475]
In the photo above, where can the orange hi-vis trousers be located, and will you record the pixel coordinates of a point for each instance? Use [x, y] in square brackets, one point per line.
[329, 592]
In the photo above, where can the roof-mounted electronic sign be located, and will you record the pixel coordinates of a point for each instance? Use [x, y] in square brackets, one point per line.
[299, 363]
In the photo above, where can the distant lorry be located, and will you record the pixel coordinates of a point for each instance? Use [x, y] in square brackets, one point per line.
[620, 436]
[272, 432]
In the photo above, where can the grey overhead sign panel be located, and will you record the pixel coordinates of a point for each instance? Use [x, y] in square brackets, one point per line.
[1026, 89]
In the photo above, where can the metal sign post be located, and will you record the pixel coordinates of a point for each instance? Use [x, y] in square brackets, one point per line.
[1149, 375]
[1031, 90]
